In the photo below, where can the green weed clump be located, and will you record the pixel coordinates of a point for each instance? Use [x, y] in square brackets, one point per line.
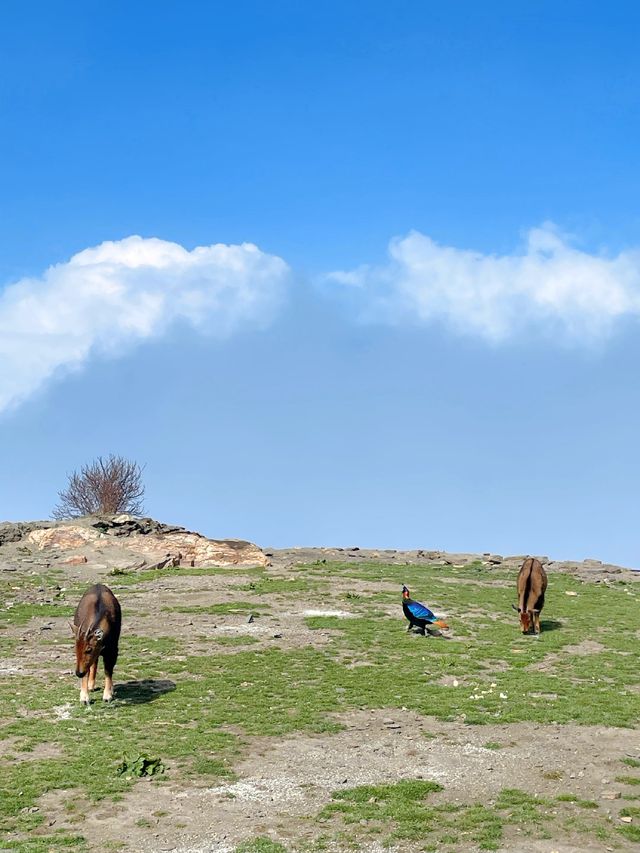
[140, 766]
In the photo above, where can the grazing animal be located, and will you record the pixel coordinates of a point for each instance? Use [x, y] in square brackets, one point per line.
[96, 627]
[419, 615]
[532, 584]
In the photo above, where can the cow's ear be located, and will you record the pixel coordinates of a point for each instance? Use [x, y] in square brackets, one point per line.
[74, 629]
[517, 609]
[98, 633]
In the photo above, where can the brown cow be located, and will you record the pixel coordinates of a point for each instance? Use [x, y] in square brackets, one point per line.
[96, 627]
[532, 583]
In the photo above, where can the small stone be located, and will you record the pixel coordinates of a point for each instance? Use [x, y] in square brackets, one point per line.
[626, 819]
[251, 618]
[610, 795]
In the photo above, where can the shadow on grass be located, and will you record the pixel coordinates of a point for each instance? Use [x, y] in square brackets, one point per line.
[145, 690]
[550, 625]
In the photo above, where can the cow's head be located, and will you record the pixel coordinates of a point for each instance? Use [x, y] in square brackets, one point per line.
[405, 592]
[88, 647]
[525, 619]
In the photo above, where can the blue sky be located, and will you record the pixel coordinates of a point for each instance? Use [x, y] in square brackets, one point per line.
[471, 385]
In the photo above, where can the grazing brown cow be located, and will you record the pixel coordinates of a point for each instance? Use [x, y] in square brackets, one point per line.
[96, 627]
[532, 583]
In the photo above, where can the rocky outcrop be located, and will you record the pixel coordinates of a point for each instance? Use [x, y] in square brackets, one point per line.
[63, 538]
[592, 570]
[15, 531]
[119, 542]
[95, 545]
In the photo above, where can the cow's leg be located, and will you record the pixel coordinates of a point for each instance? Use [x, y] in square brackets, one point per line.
[536, 621]
[93, 672]
[110, 658]
[84, 689]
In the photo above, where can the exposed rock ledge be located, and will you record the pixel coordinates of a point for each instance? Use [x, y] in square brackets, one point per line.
[125, 542]
[120, 541]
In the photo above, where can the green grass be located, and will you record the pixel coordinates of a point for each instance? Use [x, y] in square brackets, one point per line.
[573, 798]
[628, 780]
[282, 586]
[242, 640]
[21, 614]
[631, 833]
[136, 576]
[46, 843]
[631, 762]
[261, 845]
[227, 607]
[196, 712]
[403, 812]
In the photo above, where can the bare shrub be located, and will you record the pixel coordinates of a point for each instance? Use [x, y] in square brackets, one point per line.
[106, 486]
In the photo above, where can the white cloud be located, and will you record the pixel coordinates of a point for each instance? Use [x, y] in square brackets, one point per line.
[107, 298]
[550, 285]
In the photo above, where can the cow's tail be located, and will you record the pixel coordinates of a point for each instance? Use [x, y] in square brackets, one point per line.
[527, 568]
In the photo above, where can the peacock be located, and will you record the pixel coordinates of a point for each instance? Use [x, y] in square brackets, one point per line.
[419, 615]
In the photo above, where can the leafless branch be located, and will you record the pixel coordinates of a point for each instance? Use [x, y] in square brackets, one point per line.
[106, 486]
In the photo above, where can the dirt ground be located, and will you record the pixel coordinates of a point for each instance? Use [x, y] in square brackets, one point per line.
[283, 781]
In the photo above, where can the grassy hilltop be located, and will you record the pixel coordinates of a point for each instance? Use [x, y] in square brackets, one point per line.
[202, 689]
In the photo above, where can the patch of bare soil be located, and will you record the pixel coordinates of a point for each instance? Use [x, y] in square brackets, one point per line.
[11, 748]
[283, 781]
[586, 647]
[549, 662]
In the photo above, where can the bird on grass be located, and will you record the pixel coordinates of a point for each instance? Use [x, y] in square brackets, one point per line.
[420, 616]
